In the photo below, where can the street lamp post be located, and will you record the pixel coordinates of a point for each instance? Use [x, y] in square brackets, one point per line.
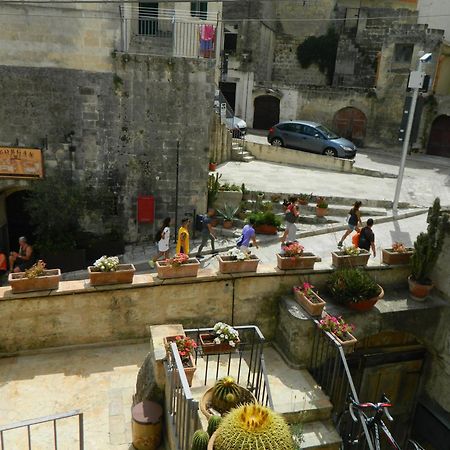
[415, 82]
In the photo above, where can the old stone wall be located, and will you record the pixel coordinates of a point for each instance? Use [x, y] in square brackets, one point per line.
[126, 126]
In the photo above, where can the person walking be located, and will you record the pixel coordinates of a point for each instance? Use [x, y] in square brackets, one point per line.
[354, 219]
[367, 238]
[207, 232]
[290, 216]
[183, 237]
[248, 234]
[162, 239]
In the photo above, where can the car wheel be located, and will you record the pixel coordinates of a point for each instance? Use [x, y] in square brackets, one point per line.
[330, 152]
[277, 142]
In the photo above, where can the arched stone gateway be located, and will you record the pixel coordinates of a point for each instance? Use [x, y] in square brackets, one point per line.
[351, 123]
[439, 140]
[267, 112]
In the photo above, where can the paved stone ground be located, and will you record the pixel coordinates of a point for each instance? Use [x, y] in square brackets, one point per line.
[426, 177]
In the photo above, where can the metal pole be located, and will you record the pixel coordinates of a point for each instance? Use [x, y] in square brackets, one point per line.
[401, 170]
[176, 189]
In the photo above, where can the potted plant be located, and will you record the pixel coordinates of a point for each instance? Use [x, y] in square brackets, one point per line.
[228, 213]
[107, 270]
[350, 257]
[236, 261]
[397, 254]
[427, 248]
[292, 256]
[186, 347]
[266, 222]
[309, 299]
[178, 267]
[213, 188]
[228, 194]
[339, 328]
[36, 278]
[304, 199]
[321, 207]
[355, 289]
[212, 165]
[223, 339]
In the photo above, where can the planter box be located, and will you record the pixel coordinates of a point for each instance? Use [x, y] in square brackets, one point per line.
[123, 274]
[229, 265]
[313, 308]
[266, 229]
[188, 370]
[306, 261]
[209, 347]
[340, 259]
[321, 212]
[50, 280]
[394, 258]
[349, 341]
[366, 305]
[165, 270]
[231, 198]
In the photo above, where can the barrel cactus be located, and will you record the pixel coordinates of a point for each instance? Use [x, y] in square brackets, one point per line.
[200, 440]
[226, 394]
[252, 427]
[213, 423]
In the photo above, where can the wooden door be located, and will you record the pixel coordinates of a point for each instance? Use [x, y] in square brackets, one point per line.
[439, 140]
[351, 123]
[267, 112]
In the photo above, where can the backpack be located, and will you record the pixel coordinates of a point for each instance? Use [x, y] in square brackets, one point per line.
[290, 217]
[158, 235]
[199, 222]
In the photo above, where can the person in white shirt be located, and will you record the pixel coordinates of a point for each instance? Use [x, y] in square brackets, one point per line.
[162, 239]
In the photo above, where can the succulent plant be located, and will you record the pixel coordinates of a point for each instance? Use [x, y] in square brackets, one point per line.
[213, 424]
[200, 440]
[252, 427]
[226, 394]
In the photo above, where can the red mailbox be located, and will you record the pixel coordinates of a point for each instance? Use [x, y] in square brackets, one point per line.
[146, 209]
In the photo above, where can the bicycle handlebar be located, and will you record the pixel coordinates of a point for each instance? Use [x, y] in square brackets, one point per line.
[384, 405]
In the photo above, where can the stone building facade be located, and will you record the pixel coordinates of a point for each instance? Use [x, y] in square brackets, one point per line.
[108, 106]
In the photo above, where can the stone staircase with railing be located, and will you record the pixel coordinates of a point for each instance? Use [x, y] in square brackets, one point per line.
[239, 151]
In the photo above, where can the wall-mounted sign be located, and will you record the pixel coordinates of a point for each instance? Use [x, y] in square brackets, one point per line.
[17, 162]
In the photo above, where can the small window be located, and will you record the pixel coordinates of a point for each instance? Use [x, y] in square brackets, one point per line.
[403, 53]
[199, 9]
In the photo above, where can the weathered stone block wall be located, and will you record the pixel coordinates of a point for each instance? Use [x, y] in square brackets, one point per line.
[126, 127]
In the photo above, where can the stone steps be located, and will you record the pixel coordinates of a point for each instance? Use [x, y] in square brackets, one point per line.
[239, 153]
[320, 435]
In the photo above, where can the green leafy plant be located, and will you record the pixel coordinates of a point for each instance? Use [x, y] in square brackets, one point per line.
[229, 187]
[228, 212]
[305, 198]
[428, 244]
[200, 440]
[351, 250]
[352, 286]
[265, 218]
[251, 427]
[213, 187]
[321, 202]
[336, 325]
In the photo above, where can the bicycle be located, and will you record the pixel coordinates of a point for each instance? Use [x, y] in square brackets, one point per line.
[373, 424]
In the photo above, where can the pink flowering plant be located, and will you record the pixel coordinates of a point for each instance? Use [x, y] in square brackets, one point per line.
[306, 289]
[336, 325]
[178, 260]
[293, 250]
[185, 346]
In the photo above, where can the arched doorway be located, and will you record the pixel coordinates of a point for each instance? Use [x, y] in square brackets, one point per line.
[267, 112]
[18, 219]
[439, 140]
[351, 123]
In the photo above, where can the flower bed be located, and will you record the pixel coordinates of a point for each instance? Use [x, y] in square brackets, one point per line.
[397, 254]
[236, 261]
[185, 348]
[107, 270]
[224, 339]
[340, 329]
[179, 266]
[37, 278]
[309, 299]
[350, 257]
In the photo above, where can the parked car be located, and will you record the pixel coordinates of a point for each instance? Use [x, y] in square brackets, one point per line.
[312, 137]
[237, 126]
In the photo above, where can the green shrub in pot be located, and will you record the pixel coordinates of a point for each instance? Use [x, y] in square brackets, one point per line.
[265, 218]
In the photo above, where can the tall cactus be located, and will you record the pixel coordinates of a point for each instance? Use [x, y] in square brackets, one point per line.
[428, 244]
[253, 427]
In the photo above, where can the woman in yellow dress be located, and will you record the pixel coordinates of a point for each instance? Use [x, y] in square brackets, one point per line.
[183, 237]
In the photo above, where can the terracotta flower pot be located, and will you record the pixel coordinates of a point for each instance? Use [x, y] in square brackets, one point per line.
[123, 274]
[190, 269]
[229, 265]
[417, 291]
[212, 167]
[206, 400]
[340, 259]
[394, 258]
[366, 305]
[228, 224]
[211, 441]
[266, 229]
[190, 368]
[315, 307]
[349, 340]
[321, 212]
[210, 347]
[306, 261]
[48, 281]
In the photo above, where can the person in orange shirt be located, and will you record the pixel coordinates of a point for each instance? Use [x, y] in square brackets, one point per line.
[3, 262]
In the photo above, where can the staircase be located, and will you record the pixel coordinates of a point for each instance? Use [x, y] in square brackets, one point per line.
[239, 152]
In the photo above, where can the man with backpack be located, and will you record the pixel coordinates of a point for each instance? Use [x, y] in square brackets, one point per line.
[367, 238]
[206, 232]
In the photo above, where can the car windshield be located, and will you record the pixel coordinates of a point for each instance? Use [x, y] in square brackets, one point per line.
[328, 133]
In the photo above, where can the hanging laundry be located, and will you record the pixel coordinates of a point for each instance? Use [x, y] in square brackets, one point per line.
[207, 40]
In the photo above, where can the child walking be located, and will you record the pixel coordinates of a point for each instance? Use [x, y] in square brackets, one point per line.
[162, 238]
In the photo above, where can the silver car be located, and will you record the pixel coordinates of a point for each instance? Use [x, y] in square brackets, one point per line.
[312, 137]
